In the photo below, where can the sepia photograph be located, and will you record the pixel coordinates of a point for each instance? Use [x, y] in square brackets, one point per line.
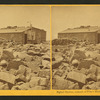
[76, 47]
[24, 47]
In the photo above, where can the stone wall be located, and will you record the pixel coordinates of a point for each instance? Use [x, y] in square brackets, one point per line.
[17, 37]
[90, 37]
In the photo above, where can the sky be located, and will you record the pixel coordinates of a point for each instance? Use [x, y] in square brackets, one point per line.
[39, 16]
[64, 17]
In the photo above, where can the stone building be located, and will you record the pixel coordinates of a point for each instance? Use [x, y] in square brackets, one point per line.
[23, 34]
[84, 33]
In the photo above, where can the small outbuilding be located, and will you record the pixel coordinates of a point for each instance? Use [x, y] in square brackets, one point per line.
[23, 34]
[84, 33]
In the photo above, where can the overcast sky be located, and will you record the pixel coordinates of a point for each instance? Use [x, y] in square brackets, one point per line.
[64, 17]
[39, 16]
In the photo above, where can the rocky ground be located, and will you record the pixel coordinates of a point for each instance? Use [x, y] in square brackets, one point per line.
[24, 67]
[76, 66]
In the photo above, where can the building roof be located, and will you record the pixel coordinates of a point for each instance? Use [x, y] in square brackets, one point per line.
[13, 30]
[82, 29]
[16, 29]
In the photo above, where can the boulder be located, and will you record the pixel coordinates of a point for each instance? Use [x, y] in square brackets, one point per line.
[74, 86]
[33, 53]
[65, 67]
[98, 78]
[9, 49]
[6, 55]
[43, 82]
[33, 74]
[93, 86]
[21, 70]
[92, 73]
[46, 57]
[46, 63]
[1, 52]
[56, 64]
[34, 81]
[44, 73]
[33, 65]
[28, 77]
[58, 57]
[9, 78]
[85, 64]
[23, 56]
[98, 71]
[14, 65]
[28, 71]
[28, 45]
[84, 71]
[75, 62]
[92, 69]
[24, 86]
[17, 59]
[59, 72]
[20, 83]
[21, 77]
[79, 55]
[60, 83]
[93, 55]
[4, 86]
[12, 71]
[1, 83]
[76, 77]
[16, 87]
[91, 77]
[3, 63]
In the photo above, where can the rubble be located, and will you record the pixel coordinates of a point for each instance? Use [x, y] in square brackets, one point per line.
[24, 66]
[75, 65]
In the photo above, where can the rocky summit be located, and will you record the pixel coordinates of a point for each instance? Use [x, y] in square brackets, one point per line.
[75, 65]
[24, 66]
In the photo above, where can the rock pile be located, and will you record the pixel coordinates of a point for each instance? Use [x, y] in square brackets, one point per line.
[24, 66]
[76, 66]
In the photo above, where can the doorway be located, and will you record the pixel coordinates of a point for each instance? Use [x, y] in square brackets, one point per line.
[25, 38]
